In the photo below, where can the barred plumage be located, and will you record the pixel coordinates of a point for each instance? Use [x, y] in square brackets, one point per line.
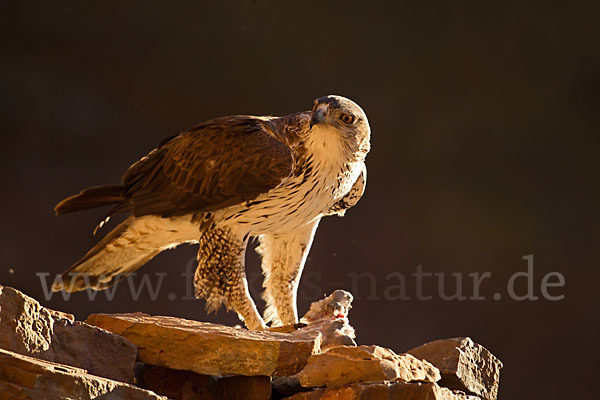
[227, 180]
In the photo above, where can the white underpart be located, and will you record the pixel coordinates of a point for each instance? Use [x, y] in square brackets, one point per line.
[294, 203]
[283, 258]
[287, 217]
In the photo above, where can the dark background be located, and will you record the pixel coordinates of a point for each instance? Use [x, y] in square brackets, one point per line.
[485, 121]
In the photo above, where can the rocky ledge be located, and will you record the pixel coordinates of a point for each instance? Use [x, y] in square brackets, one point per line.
[46, 354]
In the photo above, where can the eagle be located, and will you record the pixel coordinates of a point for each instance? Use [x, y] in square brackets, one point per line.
[222, 183]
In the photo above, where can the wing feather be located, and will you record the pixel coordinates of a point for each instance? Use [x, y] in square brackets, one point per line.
[219, 163]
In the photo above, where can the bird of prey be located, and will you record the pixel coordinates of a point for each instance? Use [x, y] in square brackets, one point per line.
[222, 182]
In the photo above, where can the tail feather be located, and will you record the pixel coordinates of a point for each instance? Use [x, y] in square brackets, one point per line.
[96, 196]
[122, 251]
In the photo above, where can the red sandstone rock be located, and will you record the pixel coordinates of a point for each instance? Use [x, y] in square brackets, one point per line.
[464, 365]
[211, 349]
[23, 377]
[30, 329]
[349, 364]
[384, 391]
[186, 385]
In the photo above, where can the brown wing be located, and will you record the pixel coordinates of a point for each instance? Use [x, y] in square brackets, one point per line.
[218, 163]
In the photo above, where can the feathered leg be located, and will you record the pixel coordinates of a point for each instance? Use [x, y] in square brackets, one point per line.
[221, 277]
[283, 258]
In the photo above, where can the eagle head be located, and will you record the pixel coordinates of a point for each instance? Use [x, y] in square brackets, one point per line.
[345, 118]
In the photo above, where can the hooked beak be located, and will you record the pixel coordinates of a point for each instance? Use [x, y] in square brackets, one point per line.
[318, 116]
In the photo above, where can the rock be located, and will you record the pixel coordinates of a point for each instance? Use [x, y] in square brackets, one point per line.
[211, 349]
[246, 387]
[100, 352]
[178, 385]
[464, 365]
[330, 317]
[284, 386]
[346, 364]
[45, 354]
[28, 328]
[186, 385]
[384, 391]
[23, 377]
[25, 326]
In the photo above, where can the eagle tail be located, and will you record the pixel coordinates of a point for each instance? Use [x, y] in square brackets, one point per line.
[126, 248]
[96, 196]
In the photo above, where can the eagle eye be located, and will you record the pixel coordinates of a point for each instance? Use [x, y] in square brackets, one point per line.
[347, 118]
